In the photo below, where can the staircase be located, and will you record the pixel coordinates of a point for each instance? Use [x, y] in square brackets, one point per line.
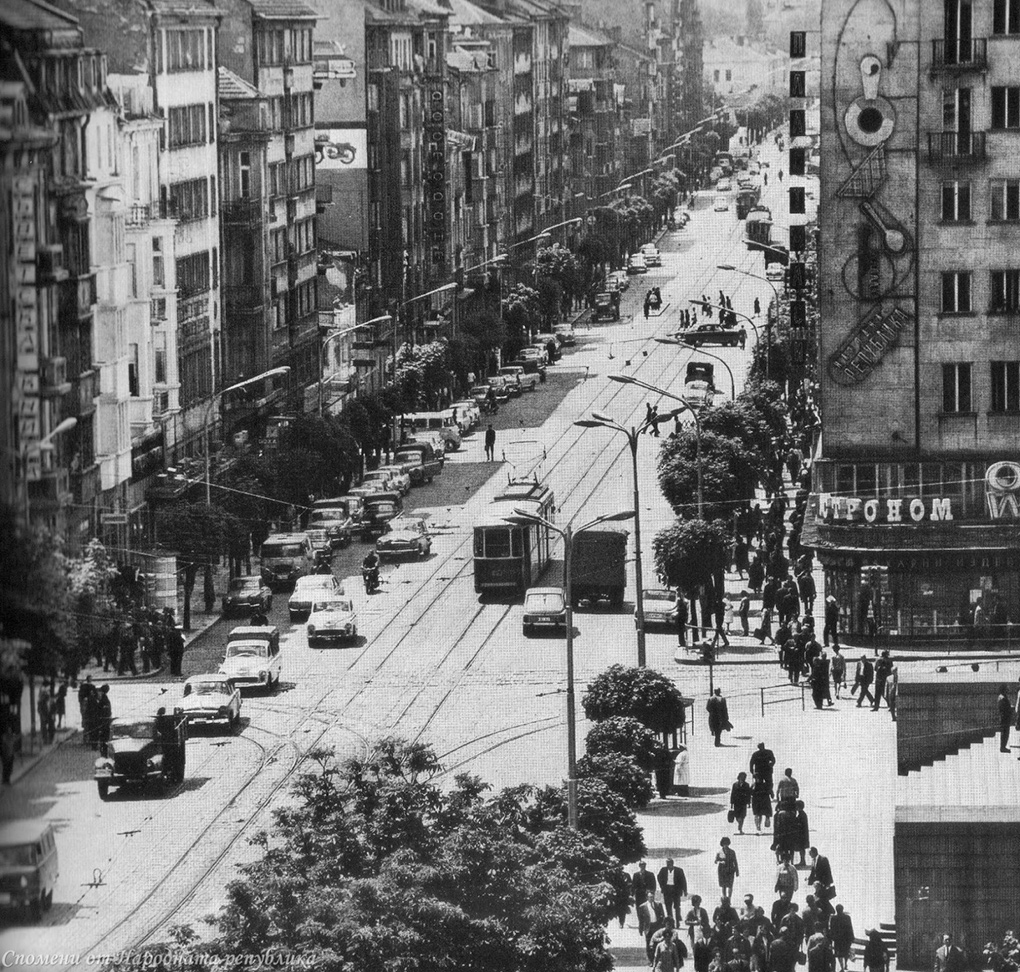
[977, 775]
[887, 931]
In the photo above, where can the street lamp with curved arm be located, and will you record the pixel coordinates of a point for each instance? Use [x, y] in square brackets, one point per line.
[332, 336]
[45, 443]
[768, 315]
[271, 373]
[700, 350]
[568, 533]
[631, 380]
[745, 317]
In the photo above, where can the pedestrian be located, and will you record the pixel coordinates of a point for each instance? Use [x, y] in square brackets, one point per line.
[807, 593]
[876, 955]
[642, 886]
[862, 680]
[44, 707]
[740, 799]
[757, 307]
[821, 872]
[682, 616]
[883, 667]
[780, 175]
[175, 646]
[787, 881]
[654, 421]
[673, 885]
[761, 802]
[666, 953]
[649, 415]
[1005, 708]
[838, 669]
[755, 569]
[765, 178]
[656, 921]
[681, 772]
[742, 337]
[725, 915]
[60, 705]
[820, 680]
[718, 716]
[490, 443]
[949, 957]
[8, 747]
[831, 628]
[721, 625]
[111, 647]
[741, 556]
[663, 770]
[892, 687]
[648, 303]
[788, 789]
[781, 906]
[86, 691]
[103, 715]
[841, 934]
[801, 832]
[696, 920]
[819, 953]
[126, 655]
[743, 611]
[762, 763]
[727, 868]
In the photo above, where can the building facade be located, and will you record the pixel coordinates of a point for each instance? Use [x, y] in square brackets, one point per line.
[916, 498]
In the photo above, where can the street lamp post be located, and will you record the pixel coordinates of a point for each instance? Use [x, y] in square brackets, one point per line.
[631, 380]
[700, 350]
[335, 336]
[568, 533]
[272, 372]
[768, 317]
[598, 421]
[745, 317]
[45, 443]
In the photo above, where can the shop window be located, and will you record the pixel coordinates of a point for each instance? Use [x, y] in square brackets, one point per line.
[1004, 200]
[956, 290]
[956, 388]
[1006, 386]
[955, 202]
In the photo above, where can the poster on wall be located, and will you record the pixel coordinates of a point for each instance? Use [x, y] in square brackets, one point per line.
[341, 149]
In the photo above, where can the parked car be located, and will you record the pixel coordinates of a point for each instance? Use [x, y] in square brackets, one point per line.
[637, 264]
[399, 477]
[425, 462]
[379, 510]
[544, 606]
[381, 475]
[620, 278]
[659, 607]
[408, 536]
[468, 414]
[651, 254]
[699, 383]
[480, 393]
[332, 619]
[503, 387]
[211, 699]
[142, 751]
[565, 335]
[534, 353]
[246, 595]
[524, 379]
[252, 656]
[309, 589]
[722, 202]
[547, 342]
[335, 520]
[29, 865]
[711, 334]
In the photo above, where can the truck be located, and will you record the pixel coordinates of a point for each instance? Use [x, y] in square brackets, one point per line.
[421, 459]
[143, 751]
[598, 567]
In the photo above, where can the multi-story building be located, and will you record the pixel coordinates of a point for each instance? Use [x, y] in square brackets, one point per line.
[687, 97]
[734, 67]
[916, 497]
[636, 71]
[268, 195]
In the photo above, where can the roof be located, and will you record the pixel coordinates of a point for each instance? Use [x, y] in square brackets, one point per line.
[22, 831]
[35, 15]
[465, 12]
[585, 37]
[231, 86]
[283, 10]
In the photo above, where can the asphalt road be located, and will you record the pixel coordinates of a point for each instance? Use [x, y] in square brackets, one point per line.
[433, 663]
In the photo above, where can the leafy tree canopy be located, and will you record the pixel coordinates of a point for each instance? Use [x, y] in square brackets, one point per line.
[690, 553]
[623, 736]
[621, 774]
[729, 474]
[641, 693]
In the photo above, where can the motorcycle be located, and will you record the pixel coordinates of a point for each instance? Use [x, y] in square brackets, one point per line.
[489, 407]
[370, 575]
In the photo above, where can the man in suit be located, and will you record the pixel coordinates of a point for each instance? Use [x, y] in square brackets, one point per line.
[642, 885]
[673, 884]
[948, 957]
[763, 760]
[821, 872]
[865, 676]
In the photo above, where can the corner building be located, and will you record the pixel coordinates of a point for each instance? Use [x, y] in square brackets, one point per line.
[915, 511]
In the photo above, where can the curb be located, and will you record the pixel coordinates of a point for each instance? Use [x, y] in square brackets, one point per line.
[103, 677]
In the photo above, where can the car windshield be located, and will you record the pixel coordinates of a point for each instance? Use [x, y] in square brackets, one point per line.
[247, 585]
[328, 516]
[660, 596]
[281, 550]
[207, 688]
[333, 605]
[309, 585]
[134, 729]
[245, 649]
[17, 856]
[544, 602]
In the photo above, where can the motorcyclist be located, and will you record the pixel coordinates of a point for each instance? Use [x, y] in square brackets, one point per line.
[490, 401]
[370, 571]
[323, 567]
[259, 619]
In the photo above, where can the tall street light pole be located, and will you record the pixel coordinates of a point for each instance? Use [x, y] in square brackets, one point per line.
[568, 533]
[631, 380]
[272, 372]
[768, 316]
[335, 336]
[700, 350]
[44, 444]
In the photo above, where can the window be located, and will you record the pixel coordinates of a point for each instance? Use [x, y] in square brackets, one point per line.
[244, 184]
[304, 235]
[278, 245]
[729, 75]
[1005, 292]
[798, 122]
[798, 159]
[186, 50]
[956, 292]
[955, 202]
[1005, 107]
[277, 179]
[193, 274]
[956, 388]
[187, 125]
[1006, 17]
[159, 357]
[798, 43]
[798, 240]
[1004, 199]
[133, 370]
[190, 200]
[157, 262]
[303, 170]
[1006, 386]
[715, 75]
[797, 199]
[798, 84]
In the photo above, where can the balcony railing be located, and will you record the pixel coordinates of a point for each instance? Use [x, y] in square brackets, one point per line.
[956, 147]
[248, 212]
[959, 54]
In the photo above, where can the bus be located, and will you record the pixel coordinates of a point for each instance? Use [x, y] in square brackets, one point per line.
[510, 557]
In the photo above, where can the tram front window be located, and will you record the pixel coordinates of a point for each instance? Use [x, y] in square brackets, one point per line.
[497, 542]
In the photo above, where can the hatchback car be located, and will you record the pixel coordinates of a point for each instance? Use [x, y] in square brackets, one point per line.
[332, 619]
[309, 589]
[211, 699]
[544, 606]
[659, 607]
[408, 537]
[637, 264]
[246, 595]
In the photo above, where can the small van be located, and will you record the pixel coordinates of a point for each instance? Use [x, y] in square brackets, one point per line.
[444, 423]
[285, 558]
[29, 865]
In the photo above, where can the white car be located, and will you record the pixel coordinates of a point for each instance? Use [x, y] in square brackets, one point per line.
[311, 588]
[384, 475]
[400, 480]
[544, 606]
[637, 264]
[468, 413]
[722, 203]
[332, 619]
[408, 536]
[523, 378]
[659, 607]
[724, 185]
[620, 278]
[651, 254]
[565, 334]
[252, 658]
[211, 699]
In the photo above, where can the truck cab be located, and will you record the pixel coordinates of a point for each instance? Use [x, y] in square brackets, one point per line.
[143, 751]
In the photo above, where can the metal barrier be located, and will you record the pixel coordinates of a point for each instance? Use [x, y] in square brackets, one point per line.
[788, 698]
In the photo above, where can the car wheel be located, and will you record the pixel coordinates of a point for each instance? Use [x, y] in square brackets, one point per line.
[47, 900]
[104, 789]
[36, 909]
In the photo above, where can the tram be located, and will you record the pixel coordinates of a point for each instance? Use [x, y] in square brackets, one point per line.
[758, 226]
[510, 557]
[747, 199]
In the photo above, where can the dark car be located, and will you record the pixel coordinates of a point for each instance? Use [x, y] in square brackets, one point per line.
[379, 509]
[711, 334]
[606, 306]
[143, 751]
[246, 595]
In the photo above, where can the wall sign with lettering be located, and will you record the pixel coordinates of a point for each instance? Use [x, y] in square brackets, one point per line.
[866, 345]
[910, 509]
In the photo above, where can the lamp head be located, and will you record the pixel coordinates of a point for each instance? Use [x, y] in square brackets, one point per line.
[589, 424]
[600, 417]
[622, 379]
[725, 266]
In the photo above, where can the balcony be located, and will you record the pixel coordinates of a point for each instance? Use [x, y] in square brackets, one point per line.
[246, 212]
[138, 214]
[959, 54]
[88, 392]
[86, 294]
[957, 148]
[53, 381]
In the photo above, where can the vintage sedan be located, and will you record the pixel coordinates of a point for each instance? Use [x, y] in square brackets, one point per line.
[660, 607]
[211, 699]
[544, 606]
[711, 334]
[246, 595]
[332, 619]
[309, 589]
[399, 477]
[408, 537]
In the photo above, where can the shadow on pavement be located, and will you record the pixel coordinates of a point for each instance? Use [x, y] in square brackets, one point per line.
[677, 853]
[682, 808]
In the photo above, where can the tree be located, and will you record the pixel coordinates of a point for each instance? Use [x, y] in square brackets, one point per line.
[423, 374]
[766, 397]
[558, 264]
[522, 314]
[621, 774]
[623, 736]
[729, 474]
[483, 333]
[692, 555]
[91, 584]
[739, 420]
[639, 693]
[197, 534]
